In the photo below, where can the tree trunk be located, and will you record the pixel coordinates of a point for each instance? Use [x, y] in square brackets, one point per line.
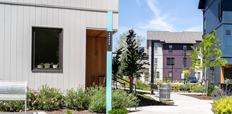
[131, 84]
[206, 83]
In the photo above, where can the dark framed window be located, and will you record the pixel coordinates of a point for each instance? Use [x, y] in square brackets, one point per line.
[157, 75]
[47, 49]
[184, 48]
[170, 49]
[170, 61]
[220, 11]
[185, 62]
[228, 32]
[170, 73]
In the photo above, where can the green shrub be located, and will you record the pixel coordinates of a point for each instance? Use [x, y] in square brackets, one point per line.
[120, 99]
[198, 89]
[46, 98]
[98, 101]
[118, 111]
[223, 106]
[210, 90]
[49, 98]
[12, 106]
[79, 99]
[140, 85]
[182, 87]
[185, 87]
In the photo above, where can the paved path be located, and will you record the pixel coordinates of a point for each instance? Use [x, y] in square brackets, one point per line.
[182, 105]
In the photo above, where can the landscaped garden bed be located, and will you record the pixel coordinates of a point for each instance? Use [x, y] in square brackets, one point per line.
[199, 96]
[81, 101]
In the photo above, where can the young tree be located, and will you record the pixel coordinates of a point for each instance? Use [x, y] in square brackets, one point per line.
[121, 43]
[186, 73]
[133, 59]
[209, 54]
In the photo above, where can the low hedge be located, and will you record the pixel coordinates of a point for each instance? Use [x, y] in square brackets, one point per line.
[223, 106]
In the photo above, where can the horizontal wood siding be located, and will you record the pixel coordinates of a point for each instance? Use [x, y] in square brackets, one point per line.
[16, 24]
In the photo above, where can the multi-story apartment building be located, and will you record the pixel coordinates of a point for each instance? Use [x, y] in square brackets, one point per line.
[167, 53]
[217, 15]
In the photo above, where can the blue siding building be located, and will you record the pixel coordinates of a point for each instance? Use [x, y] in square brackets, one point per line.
[217, 15]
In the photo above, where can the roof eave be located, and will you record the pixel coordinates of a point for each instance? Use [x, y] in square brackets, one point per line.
[201, 4]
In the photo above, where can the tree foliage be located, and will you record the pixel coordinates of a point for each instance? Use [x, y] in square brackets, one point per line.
[121, 43]
[209, 52]
[133, 60]
[116, 61]
[186, 72]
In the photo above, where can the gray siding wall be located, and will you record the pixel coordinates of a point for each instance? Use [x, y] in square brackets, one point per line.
[16, 23]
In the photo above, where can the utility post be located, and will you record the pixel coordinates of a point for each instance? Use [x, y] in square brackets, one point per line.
[109, 61]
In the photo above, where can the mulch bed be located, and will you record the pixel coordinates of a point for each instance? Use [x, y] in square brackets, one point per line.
[63, 111]
[199, 96]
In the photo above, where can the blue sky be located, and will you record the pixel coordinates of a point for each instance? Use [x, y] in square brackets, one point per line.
[159, 15]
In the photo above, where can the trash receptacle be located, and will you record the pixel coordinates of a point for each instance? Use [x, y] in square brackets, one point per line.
[164, 91]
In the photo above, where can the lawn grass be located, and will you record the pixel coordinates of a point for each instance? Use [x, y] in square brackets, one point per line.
[147, 101]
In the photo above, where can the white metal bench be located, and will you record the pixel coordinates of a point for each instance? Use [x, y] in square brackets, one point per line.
[13, 90]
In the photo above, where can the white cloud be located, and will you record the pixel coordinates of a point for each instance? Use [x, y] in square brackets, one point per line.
[159, 22]
[195, 28]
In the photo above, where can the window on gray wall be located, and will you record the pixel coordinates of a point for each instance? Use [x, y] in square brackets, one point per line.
[170, 48]
[156, 49]
[155, 62]
[47, 49]
[228, 32]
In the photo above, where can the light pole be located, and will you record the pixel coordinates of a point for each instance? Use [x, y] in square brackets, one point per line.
[172, 71]
[185, 58]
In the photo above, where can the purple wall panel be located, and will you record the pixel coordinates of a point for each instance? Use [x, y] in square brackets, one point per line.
[177, 69]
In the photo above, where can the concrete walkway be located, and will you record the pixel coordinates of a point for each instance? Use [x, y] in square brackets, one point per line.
[182, 105]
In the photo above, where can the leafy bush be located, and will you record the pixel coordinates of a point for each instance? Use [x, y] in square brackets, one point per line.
[210, 90]
[118, 111]
[98, 101]
[223, 106]
[197, 89]
[141, 85]
[186, 87]
[46, 98]
[49, 98]
[120, 99]
[12, 106]
[79, 99]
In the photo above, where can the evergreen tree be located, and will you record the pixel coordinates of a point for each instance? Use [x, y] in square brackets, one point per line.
[133, 59]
